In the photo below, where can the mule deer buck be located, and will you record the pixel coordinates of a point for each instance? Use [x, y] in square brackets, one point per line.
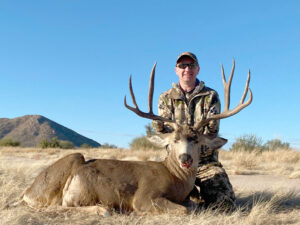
[140, 186]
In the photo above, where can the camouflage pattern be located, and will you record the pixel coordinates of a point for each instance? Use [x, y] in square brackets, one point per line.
[190, 108]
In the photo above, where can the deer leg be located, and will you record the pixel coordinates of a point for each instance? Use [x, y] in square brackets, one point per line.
[94, 210]
[166, 206]
[158, 205]
[97, 209]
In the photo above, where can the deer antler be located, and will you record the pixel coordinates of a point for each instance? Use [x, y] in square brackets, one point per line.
[136, 109]
[226, 112]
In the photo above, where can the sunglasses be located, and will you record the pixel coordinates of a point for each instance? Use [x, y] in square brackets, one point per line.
[185, 65]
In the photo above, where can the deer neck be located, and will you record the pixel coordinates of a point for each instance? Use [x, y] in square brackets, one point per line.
[172, 164]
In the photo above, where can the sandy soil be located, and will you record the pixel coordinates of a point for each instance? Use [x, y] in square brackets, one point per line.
[265, 183]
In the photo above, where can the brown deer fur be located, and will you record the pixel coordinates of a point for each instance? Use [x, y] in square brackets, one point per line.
[140, 186]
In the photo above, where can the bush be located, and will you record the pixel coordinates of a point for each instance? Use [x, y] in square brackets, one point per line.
[55, 143]
[85, 145]
[275, 144]
[248, 142]
[66, 144]
[9, 142]
[149, 130]
[141, 143]
[106, 145]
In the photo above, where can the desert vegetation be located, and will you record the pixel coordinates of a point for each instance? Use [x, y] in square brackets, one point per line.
[250, 142]
[271, 205]
[55, 143]
[142, 142]
[9, 142]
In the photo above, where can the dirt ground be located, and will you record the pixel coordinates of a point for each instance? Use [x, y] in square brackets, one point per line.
[265, 183]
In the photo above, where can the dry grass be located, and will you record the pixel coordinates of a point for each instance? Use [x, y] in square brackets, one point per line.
[19, 166]
[280, 162]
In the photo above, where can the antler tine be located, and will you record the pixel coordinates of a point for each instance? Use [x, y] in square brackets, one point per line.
[132, 94]
[246, 88]
[136, 110]
[227, 86]
[151, 89]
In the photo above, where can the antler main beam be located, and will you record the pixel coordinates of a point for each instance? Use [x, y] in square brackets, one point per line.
[136, 109]
[226, 112]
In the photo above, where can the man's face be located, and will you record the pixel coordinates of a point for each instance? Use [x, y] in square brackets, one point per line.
[188, 74]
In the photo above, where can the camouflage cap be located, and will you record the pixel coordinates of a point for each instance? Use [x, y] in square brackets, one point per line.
[187, 54]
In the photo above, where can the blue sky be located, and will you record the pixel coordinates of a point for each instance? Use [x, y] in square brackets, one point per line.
[70, 61]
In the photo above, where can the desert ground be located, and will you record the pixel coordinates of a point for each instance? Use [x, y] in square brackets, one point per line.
[267, 186]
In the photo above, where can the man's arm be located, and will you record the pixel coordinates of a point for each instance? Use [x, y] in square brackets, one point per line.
[164, 110]
[214, 108]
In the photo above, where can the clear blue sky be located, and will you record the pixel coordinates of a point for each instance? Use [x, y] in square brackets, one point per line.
[70, 61]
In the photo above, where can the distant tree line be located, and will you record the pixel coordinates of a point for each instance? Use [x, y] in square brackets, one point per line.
[53, 143]
[248, 142]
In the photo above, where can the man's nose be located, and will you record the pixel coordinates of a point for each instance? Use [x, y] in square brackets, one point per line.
[187, 68]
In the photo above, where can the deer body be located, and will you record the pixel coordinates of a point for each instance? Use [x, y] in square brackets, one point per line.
[142, 186]
[127, 185]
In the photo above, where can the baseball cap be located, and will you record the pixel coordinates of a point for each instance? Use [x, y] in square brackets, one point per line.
[187, 54]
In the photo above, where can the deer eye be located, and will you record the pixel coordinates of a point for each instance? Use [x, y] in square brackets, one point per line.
[192, 139]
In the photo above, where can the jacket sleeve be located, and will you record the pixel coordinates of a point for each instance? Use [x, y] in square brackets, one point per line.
[164, 110]
[214, 106]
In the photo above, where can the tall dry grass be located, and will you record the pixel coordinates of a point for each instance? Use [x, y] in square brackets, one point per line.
[19, 167]
[280, 162]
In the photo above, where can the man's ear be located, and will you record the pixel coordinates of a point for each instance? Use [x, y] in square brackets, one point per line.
[176, 70]
[198, 69]
[160, 140]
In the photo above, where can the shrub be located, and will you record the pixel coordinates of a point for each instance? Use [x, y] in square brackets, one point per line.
[106, 145]
[149, 130]
[248, 142]
[85, 145]
[141, 143]
[275, 144]
[66, 144]
[55, 143]
[9, 142]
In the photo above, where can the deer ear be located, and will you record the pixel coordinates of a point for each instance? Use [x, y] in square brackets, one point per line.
[160, 140]
[216, 142]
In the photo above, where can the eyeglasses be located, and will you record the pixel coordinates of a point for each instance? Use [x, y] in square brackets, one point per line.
[185, 65]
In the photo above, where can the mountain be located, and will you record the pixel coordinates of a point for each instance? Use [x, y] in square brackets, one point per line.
[30, 130]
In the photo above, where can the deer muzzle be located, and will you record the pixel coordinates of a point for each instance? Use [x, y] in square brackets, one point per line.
[186, 160]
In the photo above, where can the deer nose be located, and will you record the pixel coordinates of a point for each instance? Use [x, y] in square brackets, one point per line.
[185, 158]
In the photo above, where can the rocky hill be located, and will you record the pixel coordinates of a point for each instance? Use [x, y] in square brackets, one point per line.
[30, 130]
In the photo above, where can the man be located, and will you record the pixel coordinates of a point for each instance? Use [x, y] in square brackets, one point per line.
[188, 102]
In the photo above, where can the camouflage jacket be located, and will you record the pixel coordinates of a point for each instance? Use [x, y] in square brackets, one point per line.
[188, 108]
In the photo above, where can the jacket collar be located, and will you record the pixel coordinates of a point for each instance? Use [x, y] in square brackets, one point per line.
[177, 93]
